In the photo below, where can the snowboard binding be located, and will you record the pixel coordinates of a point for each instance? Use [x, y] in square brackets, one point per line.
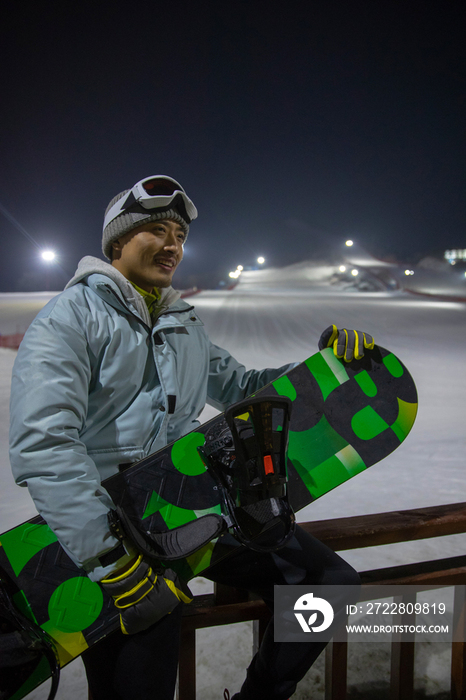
[167, 546]
[249, 460]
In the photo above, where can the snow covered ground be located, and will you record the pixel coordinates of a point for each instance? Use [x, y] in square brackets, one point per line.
[268, 321]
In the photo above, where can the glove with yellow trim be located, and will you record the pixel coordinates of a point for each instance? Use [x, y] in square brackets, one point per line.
[346, 344]
[143, 596]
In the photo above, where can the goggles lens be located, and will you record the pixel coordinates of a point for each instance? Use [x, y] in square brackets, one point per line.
[160, 186]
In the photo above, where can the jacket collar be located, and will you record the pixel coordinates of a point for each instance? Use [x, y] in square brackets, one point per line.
[97, 274]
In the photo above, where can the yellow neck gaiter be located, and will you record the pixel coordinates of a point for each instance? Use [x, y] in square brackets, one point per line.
[151, 298]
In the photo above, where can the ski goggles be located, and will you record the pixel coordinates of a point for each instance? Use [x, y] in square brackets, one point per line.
[155, 192]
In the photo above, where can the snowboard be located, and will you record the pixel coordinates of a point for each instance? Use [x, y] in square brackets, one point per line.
[345, 418]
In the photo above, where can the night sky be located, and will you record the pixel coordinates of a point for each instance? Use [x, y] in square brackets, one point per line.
[291, 129]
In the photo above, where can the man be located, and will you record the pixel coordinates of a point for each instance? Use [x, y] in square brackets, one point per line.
[111, 370]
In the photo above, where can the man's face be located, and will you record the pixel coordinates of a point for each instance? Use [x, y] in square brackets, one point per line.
[149, 255]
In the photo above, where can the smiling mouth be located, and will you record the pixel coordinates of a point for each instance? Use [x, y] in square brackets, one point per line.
[166, 264]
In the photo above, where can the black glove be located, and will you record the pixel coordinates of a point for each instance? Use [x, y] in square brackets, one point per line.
[143, 596]
[347, 344]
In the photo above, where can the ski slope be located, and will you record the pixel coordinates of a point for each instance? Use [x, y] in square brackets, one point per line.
[267, 320]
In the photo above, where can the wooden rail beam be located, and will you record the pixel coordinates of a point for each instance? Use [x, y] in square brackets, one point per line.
[387, 528]
[204, 612]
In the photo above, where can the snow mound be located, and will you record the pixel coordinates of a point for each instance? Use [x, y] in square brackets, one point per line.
[361, 272]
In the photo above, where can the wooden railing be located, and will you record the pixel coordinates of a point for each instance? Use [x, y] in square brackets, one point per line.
[228, 605]
[11, 341]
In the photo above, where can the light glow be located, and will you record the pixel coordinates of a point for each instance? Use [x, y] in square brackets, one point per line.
[349, 243]
[261, 260]
[453, 255]
[48, 255]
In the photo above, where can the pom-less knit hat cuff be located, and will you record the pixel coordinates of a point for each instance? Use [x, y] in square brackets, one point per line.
[128, 220]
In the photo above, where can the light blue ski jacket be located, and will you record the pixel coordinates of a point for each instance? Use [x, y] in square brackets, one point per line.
[97, 383]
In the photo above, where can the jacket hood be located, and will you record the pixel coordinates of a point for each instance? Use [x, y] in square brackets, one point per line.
[94, 266]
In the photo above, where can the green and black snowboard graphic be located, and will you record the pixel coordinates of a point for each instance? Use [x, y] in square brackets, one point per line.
[345, 418]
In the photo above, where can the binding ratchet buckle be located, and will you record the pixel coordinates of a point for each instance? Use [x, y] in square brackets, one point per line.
[249, 461]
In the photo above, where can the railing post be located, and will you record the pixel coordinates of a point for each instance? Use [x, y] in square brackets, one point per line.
[458, 647]
[258, 631]
[336, 665]
[186, 683]
[402, 650]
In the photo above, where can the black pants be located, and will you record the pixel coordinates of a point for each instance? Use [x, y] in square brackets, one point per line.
[144, 665]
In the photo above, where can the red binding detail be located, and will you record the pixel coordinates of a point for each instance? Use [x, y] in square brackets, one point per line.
[268, 464]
